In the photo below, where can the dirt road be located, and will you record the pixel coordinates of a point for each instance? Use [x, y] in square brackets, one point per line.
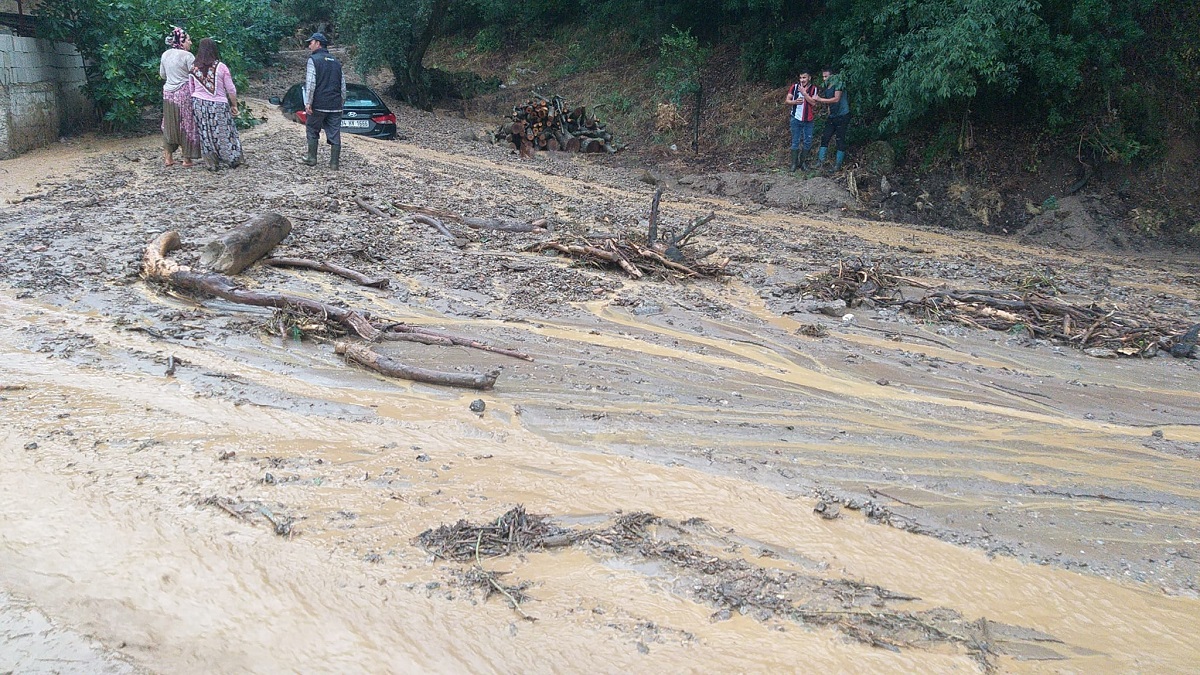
[1005, 503]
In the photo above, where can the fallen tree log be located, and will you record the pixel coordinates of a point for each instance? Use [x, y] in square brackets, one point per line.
[385, 365]
[157, 267]
[344, 272]
[238, 249]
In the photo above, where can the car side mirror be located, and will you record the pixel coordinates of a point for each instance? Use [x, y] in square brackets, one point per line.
[275, 100]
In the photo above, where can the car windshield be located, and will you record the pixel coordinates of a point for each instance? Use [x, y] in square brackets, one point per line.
[357, 97]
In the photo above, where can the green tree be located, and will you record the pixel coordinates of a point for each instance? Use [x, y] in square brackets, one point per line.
[121, 43]
[396, 34]
[681, 62]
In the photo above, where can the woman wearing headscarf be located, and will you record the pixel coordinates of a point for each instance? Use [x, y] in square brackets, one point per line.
[178, 125]
[214, 103]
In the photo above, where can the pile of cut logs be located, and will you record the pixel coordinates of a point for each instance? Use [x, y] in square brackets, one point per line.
[548, 124]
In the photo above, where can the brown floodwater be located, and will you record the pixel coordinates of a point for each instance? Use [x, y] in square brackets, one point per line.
[104, 529]
[109, 532]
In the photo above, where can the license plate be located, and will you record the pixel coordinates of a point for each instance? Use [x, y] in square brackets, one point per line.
[356, 124]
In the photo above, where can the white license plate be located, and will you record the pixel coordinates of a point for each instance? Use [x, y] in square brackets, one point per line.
[356, 124]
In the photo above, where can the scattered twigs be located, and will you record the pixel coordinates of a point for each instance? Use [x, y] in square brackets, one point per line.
[491, 579]
[1099, 331]
[403, 331]
[364, 356]
[345, 272]
[664, 256]
[513, 532]
[226, 506]
[157, 267]
[369, 208]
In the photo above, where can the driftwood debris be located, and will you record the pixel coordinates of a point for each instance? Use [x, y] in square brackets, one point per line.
[370, 208]
[662, 252]
[365, 356]
[157, 267]
[239, 248]
[548, 124]
[410, 333]
[1094, 329]
[440, 227]
[344, 272]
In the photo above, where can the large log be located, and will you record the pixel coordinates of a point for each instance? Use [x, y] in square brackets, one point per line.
[238, 249]
[362, 355]
[156, 266]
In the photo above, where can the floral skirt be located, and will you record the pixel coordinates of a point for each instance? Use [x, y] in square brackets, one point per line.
[218, 134]
[179, 123]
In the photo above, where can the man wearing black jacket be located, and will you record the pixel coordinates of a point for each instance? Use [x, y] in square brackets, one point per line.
[324, 95]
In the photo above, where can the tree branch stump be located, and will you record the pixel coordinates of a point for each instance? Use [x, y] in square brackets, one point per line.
[238, 249]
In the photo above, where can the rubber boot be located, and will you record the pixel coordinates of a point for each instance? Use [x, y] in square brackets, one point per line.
[837, 163]
[795, 160]
[804, 160]
[335, 155]
[820, 156]
[311, 159]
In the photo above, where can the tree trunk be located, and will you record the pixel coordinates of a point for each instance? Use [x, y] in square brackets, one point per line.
[412, 85]
[238, 249]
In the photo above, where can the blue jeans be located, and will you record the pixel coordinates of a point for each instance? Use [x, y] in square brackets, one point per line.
[801, 131]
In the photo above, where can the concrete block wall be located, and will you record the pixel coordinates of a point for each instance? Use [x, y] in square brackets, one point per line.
[41, 93]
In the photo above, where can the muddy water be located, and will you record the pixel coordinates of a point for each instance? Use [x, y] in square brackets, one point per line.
[107, 532]
[114, 471]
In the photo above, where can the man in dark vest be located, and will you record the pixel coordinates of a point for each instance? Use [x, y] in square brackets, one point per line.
[324, 95]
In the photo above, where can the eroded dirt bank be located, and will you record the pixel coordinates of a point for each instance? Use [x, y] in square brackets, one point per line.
[141, 507]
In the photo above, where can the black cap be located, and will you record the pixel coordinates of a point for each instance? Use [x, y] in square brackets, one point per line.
[319, 37]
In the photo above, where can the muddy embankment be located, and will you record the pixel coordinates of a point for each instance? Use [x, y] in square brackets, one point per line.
[1015, 503]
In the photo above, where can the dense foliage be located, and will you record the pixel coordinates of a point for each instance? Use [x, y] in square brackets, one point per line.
[121, 42]
[1065, 63]
[396, 34]
[1108, 70]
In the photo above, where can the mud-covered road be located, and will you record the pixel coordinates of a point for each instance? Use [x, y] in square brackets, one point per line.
[1004, 502]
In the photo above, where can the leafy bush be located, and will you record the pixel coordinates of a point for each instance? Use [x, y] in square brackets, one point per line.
[121, 43]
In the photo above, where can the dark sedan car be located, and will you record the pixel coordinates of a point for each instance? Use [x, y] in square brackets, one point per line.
[365, 113]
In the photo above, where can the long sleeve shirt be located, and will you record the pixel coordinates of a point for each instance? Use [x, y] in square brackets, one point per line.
[175, 67]
[310, 86]
[222, 86]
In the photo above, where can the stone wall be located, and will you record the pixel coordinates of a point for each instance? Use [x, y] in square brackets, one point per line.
[41, 95]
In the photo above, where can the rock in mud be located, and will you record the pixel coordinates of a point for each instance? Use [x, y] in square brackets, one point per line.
[828, 510]
[478, 406]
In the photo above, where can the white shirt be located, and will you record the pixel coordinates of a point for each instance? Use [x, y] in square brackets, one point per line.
[175, 67]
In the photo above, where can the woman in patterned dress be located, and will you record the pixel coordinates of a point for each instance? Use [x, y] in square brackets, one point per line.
[214, 102]
[178, 125]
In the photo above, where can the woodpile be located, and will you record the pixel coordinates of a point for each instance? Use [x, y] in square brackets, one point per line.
[661, 253]
[548, 124]
[1104, 332]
